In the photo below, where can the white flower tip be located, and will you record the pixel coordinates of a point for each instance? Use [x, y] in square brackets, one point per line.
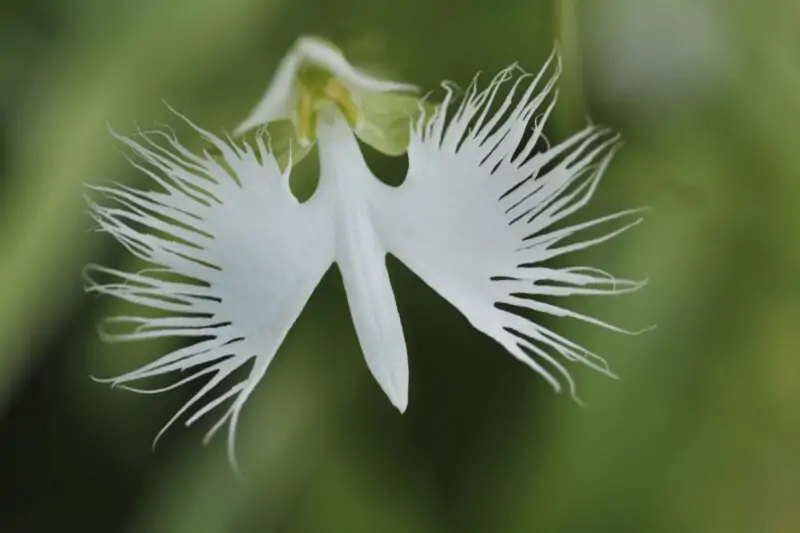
[648, 329]
[111, 130]
[582, 404]
[400, 400]
[235, 468]
[391, 373]
[103, 381]
[577, 399]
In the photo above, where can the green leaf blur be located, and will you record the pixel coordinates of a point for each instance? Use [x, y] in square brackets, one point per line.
[701, 433]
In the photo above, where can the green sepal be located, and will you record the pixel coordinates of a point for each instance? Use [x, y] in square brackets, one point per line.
[386, 119]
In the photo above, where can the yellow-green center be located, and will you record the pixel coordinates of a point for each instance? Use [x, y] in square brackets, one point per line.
[320, 89]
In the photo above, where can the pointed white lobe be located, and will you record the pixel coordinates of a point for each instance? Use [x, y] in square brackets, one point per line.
[361, 258]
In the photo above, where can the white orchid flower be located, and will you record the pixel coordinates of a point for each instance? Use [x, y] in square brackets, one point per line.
[236, 255]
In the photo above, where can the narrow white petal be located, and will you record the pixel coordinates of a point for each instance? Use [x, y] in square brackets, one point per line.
[280, 99]
[361, 258]
[473, 216]
[234, 257]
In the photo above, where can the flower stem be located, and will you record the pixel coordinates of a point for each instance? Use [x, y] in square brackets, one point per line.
[572, 112]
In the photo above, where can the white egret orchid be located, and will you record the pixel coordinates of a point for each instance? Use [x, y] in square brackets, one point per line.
[236, 256]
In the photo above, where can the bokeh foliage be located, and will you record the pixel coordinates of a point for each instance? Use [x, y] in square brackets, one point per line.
[700, 434]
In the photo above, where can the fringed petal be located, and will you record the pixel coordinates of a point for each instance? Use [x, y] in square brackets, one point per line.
[233, 259]
[474, 217]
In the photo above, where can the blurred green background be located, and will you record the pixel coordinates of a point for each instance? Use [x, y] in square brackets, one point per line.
[700, 434]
